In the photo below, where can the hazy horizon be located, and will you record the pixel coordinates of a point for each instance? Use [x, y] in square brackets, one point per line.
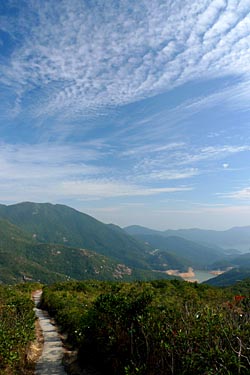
[159, 228]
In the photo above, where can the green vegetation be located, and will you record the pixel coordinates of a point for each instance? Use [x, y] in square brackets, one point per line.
[51, 243]
[63, 225]
[230, 277]
[185, 253]
[234, 238]
[16, 329]
[23, 256]
[241, 287]
[242, 261]
[155, 328]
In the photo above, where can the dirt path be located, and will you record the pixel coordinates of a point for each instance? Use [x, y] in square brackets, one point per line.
[50, 362]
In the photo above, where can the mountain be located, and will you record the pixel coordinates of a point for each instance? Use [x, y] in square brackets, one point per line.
[230, 277]
[135, 230]
[54, 242]
[186, 252]
[23, 257]
[14, 263]
[237, 237]
[242, 260]
[60, 224]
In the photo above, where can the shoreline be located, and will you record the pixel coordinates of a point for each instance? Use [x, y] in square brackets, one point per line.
[191, 274]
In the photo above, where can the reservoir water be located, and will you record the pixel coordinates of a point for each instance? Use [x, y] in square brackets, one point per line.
[201, 276]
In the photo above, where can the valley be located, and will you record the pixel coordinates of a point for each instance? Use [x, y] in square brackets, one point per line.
[42, 242]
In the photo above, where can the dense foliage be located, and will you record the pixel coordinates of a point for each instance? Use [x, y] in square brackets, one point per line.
[155, 328]
[241, 287]
[16, 329]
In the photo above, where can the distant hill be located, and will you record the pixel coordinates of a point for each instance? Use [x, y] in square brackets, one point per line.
[230, 277]
[23, 258]
[187, 253]
[242, 260]
[135, 230]
[237, 237]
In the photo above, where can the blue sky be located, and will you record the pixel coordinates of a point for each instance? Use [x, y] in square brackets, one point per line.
[135, 112]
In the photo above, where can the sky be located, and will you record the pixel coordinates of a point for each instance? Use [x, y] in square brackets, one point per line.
[134, 112]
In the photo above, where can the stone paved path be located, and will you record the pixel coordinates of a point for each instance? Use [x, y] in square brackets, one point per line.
[50, 362]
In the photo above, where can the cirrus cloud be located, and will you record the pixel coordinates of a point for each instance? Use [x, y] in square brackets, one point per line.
[67, 54]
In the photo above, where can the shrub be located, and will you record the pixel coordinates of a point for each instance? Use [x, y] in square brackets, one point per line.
[16, 329]
[157, 328]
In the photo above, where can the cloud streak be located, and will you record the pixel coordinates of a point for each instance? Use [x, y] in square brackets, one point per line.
[54, 172]
[242, 194]
[67, 54]
[111, 189]
[44, 162]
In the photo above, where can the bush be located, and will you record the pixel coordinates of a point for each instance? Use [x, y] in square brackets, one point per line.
[157, 328]
[16, 329]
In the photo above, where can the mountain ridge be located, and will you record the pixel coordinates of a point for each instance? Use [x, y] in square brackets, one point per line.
[23, 258]
[64, 225]
[235, 237]
[191, 253]
[42, 232]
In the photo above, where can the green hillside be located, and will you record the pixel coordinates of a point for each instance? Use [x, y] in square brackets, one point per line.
[183, 252]
[59, 224]
[230, 277]
[242, 261]
[23, 257]
[15, 264]
[56, 242]
[64, 225]
[10, 232]
[234, 238]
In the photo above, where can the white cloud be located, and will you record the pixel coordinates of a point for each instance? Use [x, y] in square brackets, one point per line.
[184, 162]
[242, 194]
[60, 190]
[54, 172]
[151, 149]
[167, 174]
[109, 189]
[212, 153]
[46, 162]
[76, 57]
